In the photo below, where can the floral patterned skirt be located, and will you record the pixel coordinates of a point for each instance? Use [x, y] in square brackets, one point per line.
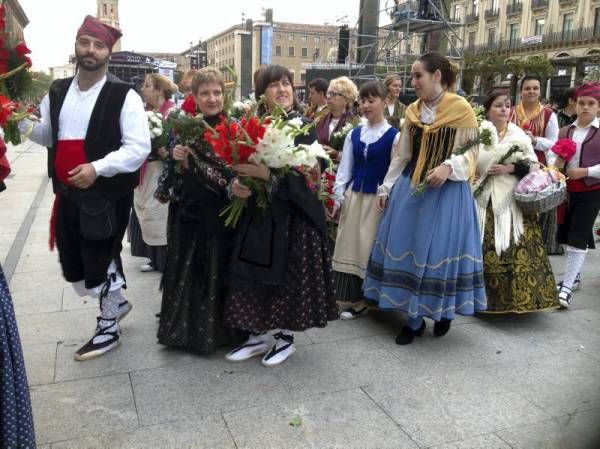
[304, 301]
[520, 280]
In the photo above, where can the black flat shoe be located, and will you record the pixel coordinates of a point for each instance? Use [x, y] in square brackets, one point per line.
[407, 335]
[441, 328]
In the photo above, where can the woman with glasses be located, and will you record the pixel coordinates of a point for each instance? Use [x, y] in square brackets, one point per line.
[365, 161]
[341, 95]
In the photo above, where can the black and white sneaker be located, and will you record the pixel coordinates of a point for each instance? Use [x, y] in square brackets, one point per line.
[106, 338]
[281, 350]
[564, 297]
[124, 309]
[352, 313]
[576, 284]
[255, 345]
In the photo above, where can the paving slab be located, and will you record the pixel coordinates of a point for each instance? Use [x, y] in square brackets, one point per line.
[341, 420]
[440, 407]
[560, 384]
[69, 410]
[207, 386]
[29, 302]
[490, 441]
[205, 433]
[335, 366]
[40, 362]
[579, 431]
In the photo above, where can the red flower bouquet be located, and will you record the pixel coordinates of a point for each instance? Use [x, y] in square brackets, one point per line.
[565, 149]
[235, 142]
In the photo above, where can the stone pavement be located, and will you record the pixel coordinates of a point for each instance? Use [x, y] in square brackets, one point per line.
[493, 382]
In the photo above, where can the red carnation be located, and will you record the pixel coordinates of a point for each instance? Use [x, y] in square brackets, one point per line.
[189, 105]
[564, 148]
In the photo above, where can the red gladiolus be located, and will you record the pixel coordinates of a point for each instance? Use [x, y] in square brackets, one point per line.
[565, 149]
[7, 107]
[189, 105]
[21, 50]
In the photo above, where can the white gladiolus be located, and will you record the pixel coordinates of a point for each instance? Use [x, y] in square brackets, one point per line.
[296, 121]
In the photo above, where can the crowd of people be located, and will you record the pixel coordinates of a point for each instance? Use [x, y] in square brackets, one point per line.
[422, 217]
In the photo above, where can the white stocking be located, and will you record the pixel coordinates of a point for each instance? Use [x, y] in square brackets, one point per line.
[575, 259]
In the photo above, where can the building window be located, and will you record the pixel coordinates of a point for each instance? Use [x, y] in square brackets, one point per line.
[104, 9]
[317, 39]
[278, 36]
[597, 21]
[539, 27]
[475, 10]
[290, 37]
[513, 33]
[456, 13]
[303, 77]
[491, 36]
[567, 23]
[471, 41]
[290, 51]
[304, 52]
[278, 50]
[304, 38]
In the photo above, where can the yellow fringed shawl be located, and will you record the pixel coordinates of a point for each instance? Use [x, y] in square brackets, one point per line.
[437, 140]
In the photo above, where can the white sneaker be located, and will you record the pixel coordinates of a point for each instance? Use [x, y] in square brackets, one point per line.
[255, 345]
[352, 313]
[124, 309]
[147, 267]
[281, 350]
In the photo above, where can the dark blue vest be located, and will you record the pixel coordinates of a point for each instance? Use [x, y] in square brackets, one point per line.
[368, 172]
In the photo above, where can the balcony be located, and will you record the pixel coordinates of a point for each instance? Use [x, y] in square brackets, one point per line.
[492, 13]
[557, 39]
[514, 8]
[566, 2]
[471, 18]
[539, 4]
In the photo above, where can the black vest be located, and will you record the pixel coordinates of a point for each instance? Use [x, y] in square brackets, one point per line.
[103, 134]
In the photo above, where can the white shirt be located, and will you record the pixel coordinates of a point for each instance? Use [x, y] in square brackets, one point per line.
[579, 135]
[332, 124]
[550, 136]
[74, 120]
[368, 134]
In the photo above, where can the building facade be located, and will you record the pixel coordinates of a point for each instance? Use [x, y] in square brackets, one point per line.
[108, 12]
[16, 20]
[566, 31]
[292, 45]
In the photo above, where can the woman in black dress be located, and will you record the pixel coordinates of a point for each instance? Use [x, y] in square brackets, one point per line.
[197, 254]
[281, 264]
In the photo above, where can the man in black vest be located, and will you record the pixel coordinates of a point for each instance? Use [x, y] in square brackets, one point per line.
[97, 133]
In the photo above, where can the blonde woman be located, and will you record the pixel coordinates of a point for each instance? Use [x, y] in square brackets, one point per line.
[394, 108]
[341, 96]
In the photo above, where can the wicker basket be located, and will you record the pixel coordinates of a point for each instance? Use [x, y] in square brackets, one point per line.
[544, 200]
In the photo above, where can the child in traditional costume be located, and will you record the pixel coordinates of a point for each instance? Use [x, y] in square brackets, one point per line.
[583, 171]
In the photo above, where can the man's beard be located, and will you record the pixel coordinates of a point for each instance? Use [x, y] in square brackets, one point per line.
[90, 63]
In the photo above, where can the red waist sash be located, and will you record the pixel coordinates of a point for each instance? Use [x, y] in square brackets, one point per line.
[69, 154]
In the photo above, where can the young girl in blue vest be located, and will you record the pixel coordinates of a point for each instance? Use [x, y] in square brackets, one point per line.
[426, 260]
[583, 184]
[365, 161]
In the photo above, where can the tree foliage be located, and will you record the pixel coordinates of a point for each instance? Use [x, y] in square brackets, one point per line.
[40, 82]
[489, 66]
